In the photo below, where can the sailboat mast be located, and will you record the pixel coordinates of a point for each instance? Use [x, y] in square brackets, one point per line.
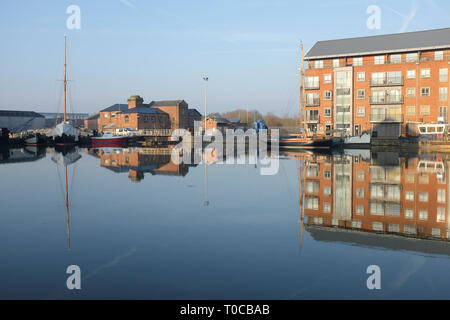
[65, 80]
[302, 80]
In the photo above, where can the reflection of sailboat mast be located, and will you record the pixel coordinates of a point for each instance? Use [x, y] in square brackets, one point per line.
[67, 207]
[301, 183]
[206, 203]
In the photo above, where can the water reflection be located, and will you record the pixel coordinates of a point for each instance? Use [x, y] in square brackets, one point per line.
[346, 197]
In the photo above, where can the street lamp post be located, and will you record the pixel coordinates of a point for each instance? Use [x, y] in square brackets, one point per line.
[206, 82]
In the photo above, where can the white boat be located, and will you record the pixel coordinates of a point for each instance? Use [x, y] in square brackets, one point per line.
[357, 141]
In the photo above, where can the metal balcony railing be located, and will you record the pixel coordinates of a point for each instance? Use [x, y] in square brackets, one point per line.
[313, 102]
[386, 99]
[312, 86]
[312, 119]
[386, 82]
[386, 117]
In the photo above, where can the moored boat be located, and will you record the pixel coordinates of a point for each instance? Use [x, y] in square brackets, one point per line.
[109, 139]
[35, 139]
[357, 141]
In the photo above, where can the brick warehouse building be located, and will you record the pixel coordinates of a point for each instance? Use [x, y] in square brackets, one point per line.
[170, 114]
[385, 84]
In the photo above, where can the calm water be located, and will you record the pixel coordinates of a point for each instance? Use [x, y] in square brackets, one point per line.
[142, 227]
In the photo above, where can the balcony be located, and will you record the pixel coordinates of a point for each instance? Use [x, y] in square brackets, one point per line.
[312, 118]
[315, 102]
[386, 99]
[386, 82]
[386, 117]
[312, 86]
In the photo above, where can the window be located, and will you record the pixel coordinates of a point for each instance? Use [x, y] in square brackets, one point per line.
[443, 94]
[361, 94]
[424, 110]
[424, 73]
[377, 226]
[326, 207]
[357, 61]
[327, 95]
[327, 78]
[360, 175]
[441, 195]
[443, 75]
[106, 115]
[361, 112]
[145, 119]
[436, 232]
[393, 227]
[443, 112]
[376, 208]
[410, 92]
[327, 190]
[318, 220]
[327, 112]
[423, 196]
[359, 210]
[327, 174]
[312, 99]
[312, 186]
[312, 82]
[438, 55]
[423, 214]
[425, 92]
[153, 119]
[424, 179]
[411, 74]
[409, 195]
[396, 58]
[379, 59]
[409, 229]
[361, 76]
[312, 203]
[335, 63]
[318, 64]
[356, 224]
[440, 216]
[127, 118]
[360, 193]
[412, 57]
[409, 213]
[409, 175]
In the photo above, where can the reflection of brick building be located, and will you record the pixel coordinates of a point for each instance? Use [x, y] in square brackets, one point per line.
[136, 115]
[383, 195]
[139, 161]
[385, 83]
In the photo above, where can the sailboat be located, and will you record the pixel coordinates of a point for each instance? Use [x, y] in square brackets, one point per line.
[63, 133]
[302, 140]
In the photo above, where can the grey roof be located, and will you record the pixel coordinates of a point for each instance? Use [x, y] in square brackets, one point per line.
[398, 42]
[143, 110]
[116, 107]
[165, 103]
[12, 113]
[194, 112]
[219, 119]
[93, 117]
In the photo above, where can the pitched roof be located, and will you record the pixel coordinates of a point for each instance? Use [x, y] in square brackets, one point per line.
[219, 119]
[194, 112]
[398, 42]
[143, 110]
[166, 103]
[12, 113]
[115, 107]
[93, 117]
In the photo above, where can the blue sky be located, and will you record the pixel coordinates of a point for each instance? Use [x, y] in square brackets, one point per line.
[161, 49]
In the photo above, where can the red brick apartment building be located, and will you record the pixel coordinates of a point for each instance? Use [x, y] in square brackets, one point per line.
[384, 194]
[170, 114]
[385, 84]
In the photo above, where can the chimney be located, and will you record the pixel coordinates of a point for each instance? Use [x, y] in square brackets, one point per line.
[135, 101]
